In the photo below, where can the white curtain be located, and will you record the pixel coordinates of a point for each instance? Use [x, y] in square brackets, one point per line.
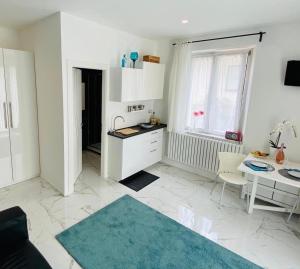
[179, 88]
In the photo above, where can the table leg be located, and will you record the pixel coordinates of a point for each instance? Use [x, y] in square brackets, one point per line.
[245, 189]
[253, 194]
[293, 209]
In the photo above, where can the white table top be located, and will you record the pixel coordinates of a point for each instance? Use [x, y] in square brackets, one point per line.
[274, 175]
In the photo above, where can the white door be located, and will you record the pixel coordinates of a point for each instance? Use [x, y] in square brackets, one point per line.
[5, 156]
[22, 111]
[75, 126]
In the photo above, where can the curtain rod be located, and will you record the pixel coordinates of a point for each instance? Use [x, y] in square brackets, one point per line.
[225, 37]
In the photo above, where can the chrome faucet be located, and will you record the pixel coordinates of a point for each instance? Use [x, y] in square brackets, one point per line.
[114, 128]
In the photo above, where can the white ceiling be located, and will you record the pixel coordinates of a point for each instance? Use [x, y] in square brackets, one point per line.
[157, 18]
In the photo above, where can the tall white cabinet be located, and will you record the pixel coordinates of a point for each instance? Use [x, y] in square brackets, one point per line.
[19, 149]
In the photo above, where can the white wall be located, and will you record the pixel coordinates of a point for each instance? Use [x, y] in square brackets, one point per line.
[164, 50]
[270, 101]
[9, 38]
[84, 40]
[43, 38]
[87, 41]
[57, 41]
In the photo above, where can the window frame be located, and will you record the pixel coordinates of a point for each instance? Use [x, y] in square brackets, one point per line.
[244, 91]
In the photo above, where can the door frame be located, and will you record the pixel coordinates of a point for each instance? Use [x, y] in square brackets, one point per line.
[68, 183]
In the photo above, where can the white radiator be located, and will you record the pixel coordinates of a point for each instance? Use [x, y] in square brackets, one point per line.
[198, 151]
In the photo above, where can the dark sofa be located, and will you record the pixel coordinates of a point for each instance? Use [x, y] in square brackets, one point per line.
[16, 251]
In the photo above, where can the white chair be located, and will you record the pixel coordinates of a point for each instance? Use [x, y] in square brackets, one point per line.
[228, 164]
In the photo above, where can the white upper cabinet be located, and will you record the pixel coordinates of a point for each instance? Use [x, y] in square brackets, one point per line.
[153, 80]
[128, 84]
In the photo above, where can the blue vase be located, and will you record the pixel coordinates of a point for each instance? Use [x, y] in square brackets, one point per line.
[124, 61]
[134, 57]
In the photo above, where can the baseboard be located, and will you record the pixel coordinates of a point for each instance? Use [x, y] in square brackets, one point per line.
[188, 168]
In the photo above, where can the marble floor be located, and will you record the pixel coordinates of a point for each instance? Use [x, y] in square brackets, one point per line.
[263, 237]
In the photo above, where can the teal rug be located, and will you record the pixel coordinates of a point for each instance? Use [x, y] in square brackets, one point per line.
[130, 235]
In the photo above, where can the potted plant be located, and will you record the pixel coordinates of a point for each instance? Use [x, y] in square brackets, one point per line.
[277, 132]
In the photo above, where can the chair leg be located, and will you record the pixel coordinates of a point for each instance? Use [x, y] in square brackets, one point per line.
[248, 196]
[220, 202]
[293, 209]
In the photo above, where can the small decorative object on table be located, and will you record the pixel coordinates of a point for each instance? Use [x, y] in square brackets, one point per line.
[259, 154]
[280, 155]
[281, 127]
[134, 57]
[292, 173]
[259, 166]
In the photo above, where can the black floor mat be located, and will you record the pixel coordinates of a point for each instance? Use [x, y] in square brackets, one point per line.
[139, 180]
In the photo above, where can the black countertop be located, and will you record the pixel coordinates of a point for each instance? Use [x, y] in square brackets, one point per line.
[136, 127]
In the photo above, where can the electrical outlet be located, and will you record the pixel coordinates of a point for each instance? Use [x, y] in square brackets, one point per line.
[134, 108]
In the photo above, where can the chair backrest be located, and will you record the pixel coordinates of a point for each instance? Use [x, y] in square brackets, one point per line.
[229, 162]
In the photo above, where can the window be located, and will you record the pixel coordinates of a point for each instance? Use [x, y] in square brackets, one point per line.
[217, 92]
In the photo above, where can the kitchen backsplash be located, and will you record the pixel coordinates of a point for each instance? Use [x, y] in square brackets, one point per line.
[131, 118]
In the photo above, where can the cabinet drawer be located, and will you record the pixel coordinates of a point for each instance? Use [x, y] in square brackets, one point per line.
[286, 188]
[154, 135]
[267, 193]
[156, 132]
[154, 143]
[285, 199]
[265, 182]
[154, 155]
[263, 191]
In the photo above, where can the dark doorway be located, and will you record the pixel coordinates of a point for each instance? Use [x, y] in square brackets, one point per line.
[92, 109]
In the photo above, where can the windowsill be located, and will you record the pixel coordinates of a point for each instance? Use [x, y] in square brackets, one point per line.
[214, 137]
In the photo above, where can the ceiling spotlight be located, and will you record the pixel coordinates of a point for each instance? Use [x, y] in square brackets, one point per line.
[184, 21]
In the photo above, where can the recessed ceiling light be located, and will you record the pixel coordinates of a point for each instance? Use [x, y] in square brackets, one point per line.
[184, 21]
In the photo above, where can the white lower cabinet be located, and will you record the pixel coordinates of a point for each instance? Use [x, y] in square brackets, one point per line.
[131, 155]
